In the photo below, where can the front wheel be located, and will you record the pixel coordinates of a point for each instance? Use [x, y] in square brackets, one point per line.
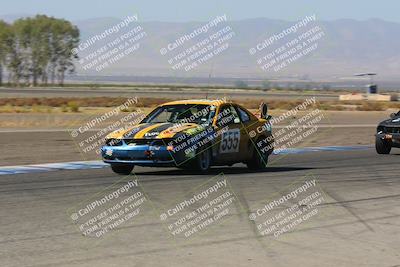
[382, 146]
[122, 169]
[202, 161]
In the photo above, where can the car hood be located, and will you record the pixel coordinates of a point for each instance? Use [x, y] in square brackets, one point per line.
[155, 131]
[391, 122]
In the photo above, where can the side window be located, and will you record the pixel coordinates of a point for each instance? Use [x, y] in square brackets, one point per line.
[244, 116]
[227, 116]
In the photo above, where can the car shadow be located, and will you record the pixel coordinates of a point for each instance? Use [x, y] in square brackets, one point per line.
[225, 170]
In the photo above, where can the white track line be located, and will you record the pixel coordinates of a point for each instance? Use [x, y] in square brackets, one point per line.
[85, 165]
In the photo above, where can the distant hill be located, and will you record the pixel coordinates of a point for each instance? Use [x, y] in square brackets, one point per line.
[349, 46]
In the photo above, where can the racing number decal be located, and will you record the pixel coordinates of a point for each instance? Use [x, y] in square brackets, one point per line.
[230, 141]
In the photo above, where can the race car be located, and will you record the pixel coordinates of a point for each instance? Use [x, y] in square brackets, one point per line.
[388, 134]
[192, 134]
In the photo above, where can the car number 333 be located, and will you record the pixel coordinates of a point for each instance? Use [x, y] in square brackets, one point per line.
[230, 141]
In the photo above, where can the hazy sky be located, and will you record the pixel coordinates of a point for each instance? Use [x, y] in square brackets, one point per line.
[189, 10]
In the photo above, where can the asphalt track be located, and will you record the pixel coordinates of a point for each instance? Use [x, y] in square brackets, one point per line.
[358, 223]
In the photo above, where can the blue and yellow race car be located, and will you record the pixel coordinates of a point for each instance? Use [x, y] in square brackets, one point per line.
[192, 134]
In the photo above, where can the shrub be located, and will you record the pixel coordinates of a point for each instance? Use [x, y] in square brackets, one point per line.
[73, 106]
[64, 108]
[371, 106]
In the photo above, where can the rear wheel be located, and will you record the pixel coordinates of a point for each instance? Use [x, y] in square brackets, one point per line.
[122, 169]
[382, 146]
[259, 159]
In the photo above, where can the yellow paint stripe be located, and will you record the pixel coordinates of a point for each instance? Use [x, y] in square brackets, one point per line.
[171, 133]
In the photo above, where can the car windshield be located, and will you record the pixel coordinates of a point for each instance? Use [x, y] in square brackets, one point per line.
[183, 113]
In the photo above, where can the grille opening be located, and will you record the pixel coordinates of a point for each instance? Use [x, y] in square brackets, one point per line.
[393, 130]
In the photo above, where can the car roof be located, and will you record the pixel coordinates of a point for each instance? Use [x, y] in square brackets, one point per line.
[215, 102]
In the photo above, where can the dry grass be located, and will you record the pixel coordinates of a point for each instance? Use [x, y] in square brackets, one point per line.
[25, 109]
[81, 102]
[73, 105]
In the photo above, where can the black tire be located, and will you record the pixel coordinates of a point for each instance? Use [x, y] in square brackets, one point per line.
[259, 160]
[382, 146]
[201, 163]
[122, 169]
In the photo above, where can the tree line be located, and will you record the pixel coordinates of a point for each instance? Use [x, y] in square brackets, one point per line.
[37, 50]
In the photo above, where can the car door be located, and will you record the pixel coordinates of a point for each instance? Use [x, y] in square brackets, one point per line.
[246, 122]
[230, 142]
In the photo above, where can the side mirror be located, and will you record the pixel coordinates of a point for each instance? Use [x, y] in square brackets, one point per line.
[264, 111]
[392, 115]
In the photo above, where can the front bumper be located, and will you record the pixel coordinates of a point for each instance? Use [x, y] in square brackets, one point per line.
[142, 155]
[393, 138]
